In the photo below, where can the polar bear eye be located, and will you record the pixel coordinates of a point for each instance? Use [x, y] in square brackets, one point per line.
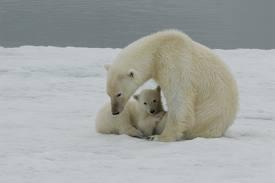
[154, 101]
[118, 95]
[145, 103]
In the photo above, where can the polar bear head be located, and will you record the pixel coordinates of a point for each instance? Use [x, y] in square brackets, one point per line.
[121, 85]
[150, 100]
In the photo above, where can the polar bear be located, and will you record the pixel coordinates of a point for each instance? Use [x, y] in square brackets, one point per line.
[201, 93]
[150, 112]
[139, 118]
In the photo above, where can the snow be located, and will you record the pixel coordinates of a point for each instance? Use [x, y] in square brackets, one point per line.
[49, 98]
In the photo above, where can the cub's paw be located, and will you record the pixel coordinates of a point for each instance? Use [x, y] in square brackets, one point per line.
[135, 133]
[159, 115]
[151, 138]
[161, 138]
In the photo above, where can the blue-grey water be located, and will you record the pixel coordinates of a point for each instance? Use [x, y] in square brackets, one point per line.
[115, 23]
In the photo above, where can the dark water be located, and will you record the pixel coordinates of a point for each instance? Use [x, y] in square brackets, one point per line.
[115, 23]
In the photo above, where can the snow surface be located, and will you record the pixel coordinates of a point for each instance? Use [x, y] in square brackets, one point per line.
[49, 97]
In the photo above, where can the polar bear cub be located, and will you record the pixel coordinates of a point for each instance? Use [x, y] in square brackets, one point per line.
[139, 118]
[151, 111]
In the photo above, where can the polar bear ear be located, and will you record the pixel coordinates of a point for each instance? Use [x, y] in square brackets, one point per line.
[132, 73]
[107, 66]
[136, 97]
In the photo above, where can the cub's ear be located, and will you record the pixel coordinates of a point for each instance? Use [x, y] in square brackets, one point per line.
[107, 66]
[136, 97]
[158, 88]
[132, 73]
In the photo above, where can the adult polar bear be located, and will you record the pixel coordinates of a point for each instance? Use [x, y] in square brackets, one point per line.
[201, 93]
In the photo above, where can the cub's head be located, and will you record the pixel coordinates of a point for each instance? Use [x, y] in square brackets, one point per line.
[121, 85]
[150, 100]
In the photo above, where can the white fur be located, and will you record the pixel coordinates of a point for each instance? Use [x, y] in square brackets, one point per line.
[201, 93]
[117, 124]
[135, 120]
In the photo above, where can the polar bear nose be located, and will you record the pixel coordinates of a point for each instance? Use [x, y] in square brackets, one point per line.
[152, 111]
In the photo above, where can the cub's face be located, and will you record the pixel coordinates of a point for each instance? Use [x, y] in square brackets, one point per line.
[150, 100]
[120, 87]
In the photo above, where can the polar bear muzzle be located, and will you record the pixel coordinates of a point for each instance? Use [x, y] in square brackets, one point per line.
[117, 107]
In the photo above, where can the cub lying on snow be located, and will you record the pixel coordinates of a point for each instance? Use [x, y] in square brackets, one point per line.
[140, 118]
